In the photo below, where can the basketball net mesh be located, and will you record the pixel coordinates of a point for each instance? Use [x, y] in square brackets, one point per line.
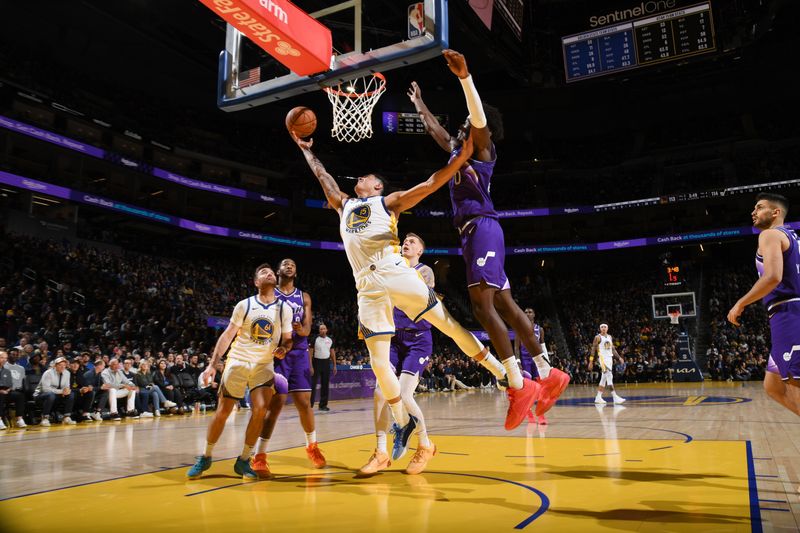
[352, 106]
[674, 316]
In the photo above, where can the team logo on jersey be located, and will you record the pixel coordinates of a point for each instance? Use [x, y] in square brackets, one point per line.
[358, 219]
[261, 331]
[607, 345]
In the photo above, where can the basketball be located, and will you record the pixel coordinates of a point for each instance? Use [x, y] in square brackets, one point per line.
[302, 121]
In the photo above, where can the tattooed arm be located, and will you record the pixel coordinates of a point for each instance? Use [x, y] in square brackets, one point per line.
[329, 186]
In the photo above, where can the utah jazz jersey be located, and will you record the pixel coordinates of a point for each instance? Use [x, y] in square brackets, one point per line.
[537, 332]
[469, 189]
[295, 301]
[402, 321]
[789, 287]
[368, 230]
[260, 328]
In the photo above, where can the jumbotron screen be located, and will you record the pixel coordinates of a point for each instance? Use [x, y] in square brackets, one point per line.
[622, 42]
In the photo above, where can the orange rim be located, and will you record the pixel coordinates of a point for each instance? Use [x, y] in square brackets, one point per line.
[339, 92]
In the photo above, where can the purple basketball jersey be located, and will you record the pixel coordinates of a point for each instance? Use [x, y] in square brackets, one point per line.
[523, 351]
[789, 287]
[401, 320]
[295, 299]
[469, 189]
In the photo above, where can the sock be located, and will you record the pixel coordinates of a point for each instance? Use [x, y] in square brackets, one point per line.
[494, 366]
[399, 413]
[408, 384]
[542, 366]
[311, 437]
[261, 445]
[381, 441]
[423, 439]
[209, 449]
[513, 373]
[246, 451]
[599, 394]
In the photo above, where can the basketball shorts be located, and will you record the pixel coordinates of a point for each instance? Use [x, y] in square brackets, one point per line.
[384, 285]
[484, 250]
[607, 379]
[281, 384]
[241, 375]
[784, 356]
[605, 363]
[295, 367]
[411, 350]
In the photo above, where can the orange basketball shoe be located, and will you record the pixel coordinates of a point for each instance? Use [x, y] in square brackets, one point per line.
[552, 387]
[260, 466]
[315, 456]
[520, 402]
[377, 461]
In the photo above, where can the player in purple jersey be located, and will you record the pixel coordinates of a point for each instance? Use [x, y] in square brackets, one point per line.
[482, 240]
[526, 359]
[409, 354]
[259, 462]
[778, 265]
[295, 367]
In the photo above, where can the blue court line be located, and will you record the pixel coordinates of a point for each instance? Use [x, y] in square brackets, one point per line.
[662, 448]
[773, 509]
[752, 485]
[596, 454]
[765, 475]
[687, 438]
[773, 501]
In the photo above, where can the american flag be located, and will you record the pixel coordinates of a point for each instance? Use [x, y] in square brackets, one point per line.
[249, 77]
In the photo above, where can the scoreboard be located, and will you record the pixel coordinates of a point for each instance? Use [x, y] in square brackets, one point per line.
[408, 123]
[668, 36]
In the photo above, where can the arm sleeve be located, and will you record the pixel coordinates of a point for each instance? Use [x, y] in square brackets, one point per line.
[286, 319]
[477, 117]
[237, 317]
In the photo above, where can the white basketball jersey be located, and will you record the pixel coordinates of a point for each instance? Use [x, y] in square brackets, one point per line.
[260, 329]
[368, 230]
[606, 348]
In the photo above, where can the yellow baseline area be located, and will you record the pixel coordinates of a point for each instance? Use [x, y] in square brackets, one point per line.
[475, 483]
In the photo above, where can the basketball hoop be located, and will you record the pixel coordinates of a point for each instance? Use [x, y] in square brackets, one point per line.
[674, 316]
[353, 102]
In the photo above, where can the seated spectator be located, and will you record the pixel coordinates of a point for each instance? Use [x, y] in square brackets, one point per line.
[9, 395]
[162, 378]
[119, 386]
[35, 365]
[17, 387]
[53, 390]
[93, 378]
[149, 391]
[82, 391]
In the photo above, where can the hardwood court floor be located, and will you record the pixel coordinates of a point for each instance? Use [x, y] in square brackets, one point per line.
[699, 457]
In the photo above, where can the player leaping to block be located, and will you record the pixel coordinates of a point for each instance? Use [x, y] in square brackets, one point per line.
[384, 280]
[482, 239]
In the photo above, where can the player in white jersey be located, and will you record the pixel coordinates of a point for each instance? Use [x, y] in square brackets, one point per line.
[603, 349]
[384, 280]
[260, 329]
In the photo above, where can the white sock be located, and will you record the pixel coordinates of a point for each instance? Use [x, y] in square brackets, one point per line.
[513, 373]
[261, 445]
[599, 394]
[542, 366]
[246, 451]
[311, 437]
[399, 413]
[494, 366]
[408, 384]
[381, 441]
[209, 449]
[423, 439]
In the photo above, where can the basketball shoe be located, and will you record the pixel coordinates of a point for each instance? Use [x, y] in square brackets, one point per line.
[552, 387]
[520, 402]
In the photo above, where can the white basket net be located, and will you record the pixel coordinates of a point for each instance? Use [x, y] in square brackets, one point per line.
[352, 106]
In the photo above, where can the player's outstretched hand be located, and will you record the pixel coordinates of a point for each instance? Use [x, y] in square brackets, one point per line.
[734, 314]
[207, 376]
[456, 62]
[304, 145]
[414, 93]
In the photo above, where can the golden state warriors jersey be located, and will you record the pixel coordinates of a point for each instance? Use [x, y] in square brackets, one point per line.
[606, 347]
[368, 230]
[260, 329]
